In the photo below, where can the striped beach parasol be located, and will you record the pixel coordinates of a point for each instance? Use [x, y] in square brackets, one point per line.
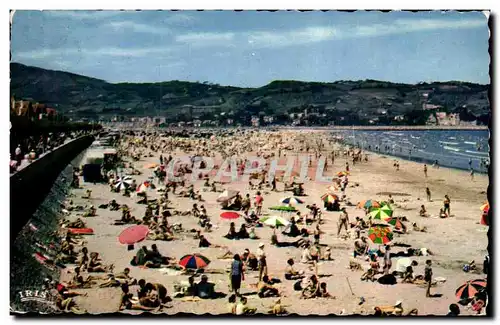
[381, 213]
[470, 288]
[274, 221]
[368, 204]
[291, 200]
[194, 261]
[380, 234]
[395, 222]
[329, 198]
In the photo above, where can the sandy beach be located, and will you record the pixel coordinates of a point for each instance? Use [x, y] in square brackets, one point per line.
[454, 241]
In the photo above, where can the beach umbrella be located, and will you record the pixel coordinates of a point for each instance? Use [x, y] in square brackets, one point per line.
[274, 221]
[230, 215]
[368, 204]
[381, 213]
[470, 288]
[340, 174]
[291, 200]
[194, 261]
[133, 234]
[283, 208]
[123, 183]
[227, 195]
[380, 234]
[395, 222]
[329, 198]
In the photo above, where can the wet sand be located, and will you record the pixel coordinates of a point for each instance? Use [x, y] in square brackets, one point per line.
[454, 241]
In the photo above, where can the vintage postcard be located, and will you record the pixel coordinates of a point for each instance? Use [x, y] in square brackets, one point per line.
[250, 162]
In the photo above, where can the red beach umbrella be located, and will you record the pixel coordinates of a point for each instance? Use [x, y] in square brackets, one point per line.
[469, 289]
[133, 235]
[194, 261]
[229, 215]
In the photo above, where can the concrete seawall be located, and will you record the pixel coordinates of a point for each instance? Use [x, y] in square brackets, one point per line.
[30, 186]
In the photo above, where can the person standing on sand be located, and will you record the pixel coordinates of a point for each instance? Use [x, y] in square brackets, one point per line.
[258, 203]
[347, 166]
[387, 259]
[343, 221]
[428, 192]
[261, 256]
[428, 277]
[472, 174]
[425, 170]
[446, 203]
[236, 274]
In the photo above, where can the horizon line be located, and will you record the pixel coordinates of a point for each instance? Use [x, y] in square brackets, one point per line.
[255, 87]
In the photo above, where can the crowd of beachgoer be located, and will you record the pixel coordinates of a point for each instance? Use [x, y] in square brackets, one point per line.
[32, 147]
[305, 230]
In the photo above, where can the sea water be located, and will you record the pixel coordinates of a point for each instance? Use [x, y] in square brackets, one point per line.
[451, 148]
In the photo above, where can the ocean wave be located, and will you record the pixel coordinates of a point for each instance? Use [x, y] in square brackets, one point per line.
[478, 152]
[451, 148]
[450, 143]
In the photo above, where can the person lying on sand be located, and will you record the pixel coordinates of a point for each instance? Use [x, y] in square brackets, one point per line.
[160, 234]
[78, 223]
[275, 242]
[69, 305]
[94, 264]
[419, 229]
[90, 212]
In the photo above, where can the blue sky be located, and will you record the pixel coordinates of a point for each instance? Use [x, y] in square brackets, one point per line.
[251, 49]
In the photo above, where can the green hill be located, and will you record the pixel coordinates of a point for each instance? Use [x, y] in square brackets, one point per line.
[349, 102]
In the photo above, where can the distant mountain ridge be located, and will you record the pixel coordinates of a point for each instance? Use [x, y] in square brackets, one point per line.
[354, 102]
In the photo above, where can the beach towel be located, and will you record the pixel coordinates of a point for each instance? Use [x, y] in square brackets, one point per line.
[81, 231]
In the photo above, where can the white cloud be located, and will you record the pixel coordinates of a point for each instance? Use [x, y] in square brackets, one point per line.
[85, 14]
[106, 51]
[179, 19]
[136, 27]
[326, 33]
[206, 39]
